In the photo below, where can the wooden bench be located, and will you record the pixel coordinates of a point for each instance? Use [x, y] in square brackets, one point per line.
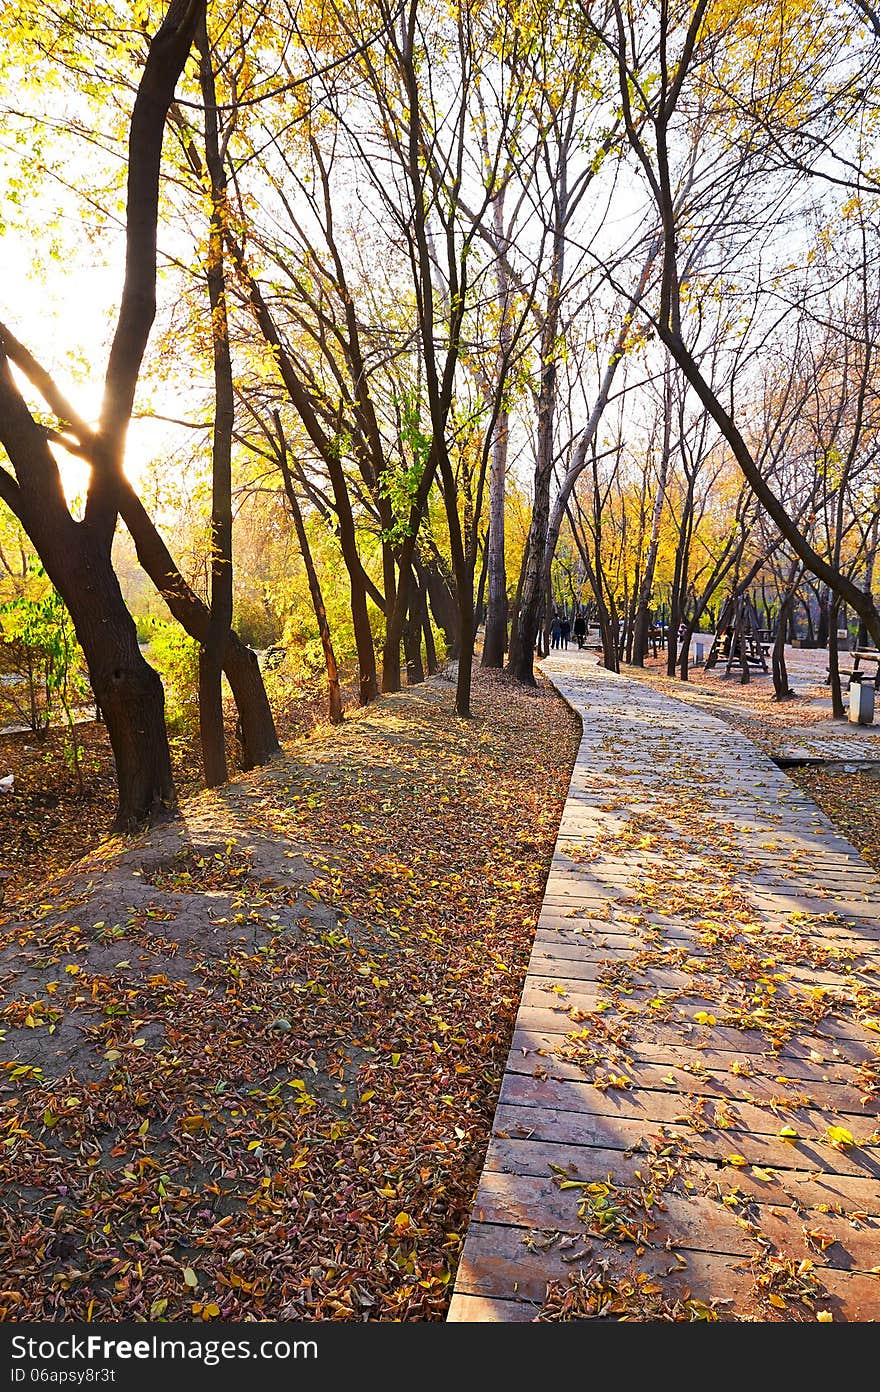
[869, 656]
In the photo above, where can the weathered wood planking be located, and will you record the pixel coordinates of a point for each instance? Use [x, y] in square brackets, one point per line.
[724, 1129]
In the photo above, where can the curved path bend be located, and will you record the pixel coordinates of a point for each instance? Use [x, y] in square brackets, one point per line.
[688, 1122]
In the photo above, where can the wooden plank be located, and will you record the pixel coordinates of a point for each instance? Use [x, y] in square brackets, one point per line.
[499, 1265]
[564, 1023]
[623, 1133]
[481, 1309]
[811, 1188]
[661, 1106]
[703, 1072]
[686, 1222]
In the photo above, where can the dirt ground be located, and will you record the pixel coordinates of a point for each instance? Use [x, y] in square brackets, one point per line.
[251, 1059]
[55, 814]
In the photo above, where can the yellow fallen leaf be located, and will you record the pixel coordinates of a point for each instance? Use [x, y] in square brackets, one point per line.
[839, 1137]
[736, 1160]
[825, 1316]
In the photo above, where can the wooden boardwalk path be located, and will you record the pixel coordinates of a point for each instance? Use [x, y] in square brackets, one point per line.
[690, 1108]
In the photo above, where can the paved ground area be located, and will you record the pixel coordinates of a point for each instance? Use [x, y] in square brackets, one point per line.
[840, 742]
[802, 729]
[688, 1122]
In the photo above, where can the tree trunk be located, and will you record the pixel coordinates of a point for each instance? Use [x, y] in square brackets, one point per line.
[255, 728]
[412, 638]
[465, 665]
[495, 639]
[534, 599]
[640, 633]
[126, 687]
[394, 626]
[257, 736]
[821, 639]
[781, 688]
[333, 693]
[838, 710]
[870, 561]
[443, 605]
[211, 727]
[481, 586]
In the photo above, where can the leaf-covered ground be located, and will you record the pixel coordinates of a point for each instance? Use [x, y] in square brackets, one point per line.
[52, 816]
[850, 798]
[251, 1060]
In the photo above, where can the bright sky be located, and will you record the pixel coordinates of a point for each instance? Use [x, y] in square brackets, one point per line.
[64, 310]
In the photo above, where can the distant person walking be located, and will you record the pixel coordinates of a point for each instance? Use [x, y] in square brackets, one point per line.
[580, 628]
[566, 632]
[555, 631]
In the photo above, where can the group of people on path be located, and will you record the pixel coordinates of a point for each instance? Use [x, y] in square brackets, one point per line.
[562, 628]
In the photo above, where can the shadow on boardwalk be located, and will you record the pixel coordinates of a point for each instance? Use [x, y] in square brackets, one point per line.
[688, 1120]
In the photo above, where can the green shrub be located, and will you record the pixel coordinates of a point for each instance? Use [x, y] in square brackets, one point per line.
[176, 658]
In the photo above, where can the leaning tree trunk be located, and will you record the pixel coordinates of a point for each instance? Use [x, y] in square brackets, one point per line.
[255, 728]
[127, 689]
[256, 732]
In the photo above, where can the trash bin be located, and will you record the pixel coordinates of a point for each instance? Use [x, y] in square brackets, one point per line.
[861, 701]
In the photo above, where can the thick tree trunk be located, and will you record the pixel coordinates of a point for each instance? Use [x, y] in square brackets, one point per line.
[255, 730]
[465, 665]
[368, 685]
[126, 687]
[212, 732]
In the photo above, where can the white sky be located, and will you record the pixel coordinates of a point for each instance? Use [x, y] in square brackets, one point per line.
[64, 311]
